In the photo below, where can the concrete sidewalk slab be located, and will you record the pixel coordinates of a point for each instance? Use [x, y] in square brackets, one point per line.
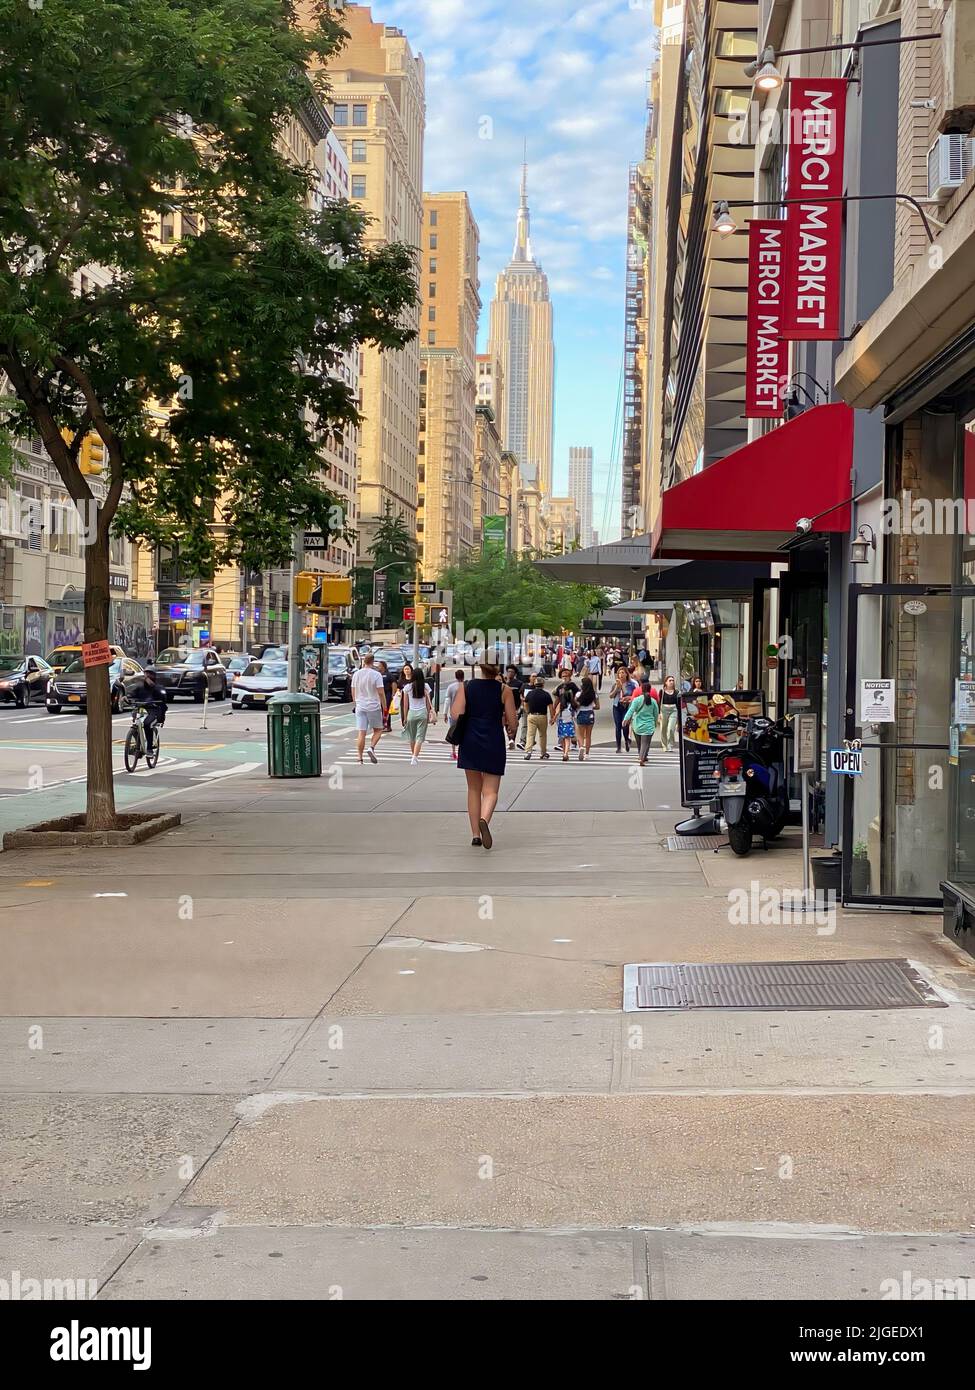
[54, 1250]
[109, 1159]
[130, 1056]
[415, 979]
[876, 1163]
[469, 1052]
[236, 957]
[772, 1266]
[603, 1053]
[708, 1263]
[323, 1264]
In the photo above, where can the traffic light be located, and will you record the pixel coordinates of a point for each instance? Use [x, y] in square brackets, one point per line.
[321, 591]
[91, 453]
[332, 591]
[420, 612]
[305, 585]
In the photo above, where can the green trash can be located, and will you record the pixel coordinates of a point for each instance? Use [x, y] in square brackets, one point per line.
[294, 735]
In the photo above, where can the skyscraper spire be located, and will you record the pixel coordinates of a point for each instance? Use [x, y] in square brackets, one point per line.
[523, 244]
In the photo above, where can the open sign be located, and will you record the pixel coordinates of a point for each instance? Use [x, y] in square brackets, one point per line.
[846, 761]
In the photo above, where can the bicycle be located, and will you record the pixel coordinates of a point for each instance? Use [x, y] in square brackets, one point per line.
[136, 743]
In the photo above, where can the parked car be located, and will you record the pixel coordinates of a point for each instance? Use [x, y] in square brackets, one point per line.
[62, 657]
[342, 666]
[270, 651]
[256, 685]
[235, 664]
[190, 671]
[23, 679]
[67, 688]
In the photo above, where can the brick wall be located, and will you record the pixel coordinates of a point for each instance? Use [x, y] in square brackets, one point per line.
[922, 79]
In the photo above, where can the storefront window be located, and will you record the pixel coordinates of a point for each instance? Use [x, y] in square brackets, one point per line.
[962, 753]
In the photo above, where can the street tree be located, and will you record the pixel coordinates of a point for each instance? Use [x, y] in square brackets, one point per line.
[497, 590]
[392, 550]
[172, 283]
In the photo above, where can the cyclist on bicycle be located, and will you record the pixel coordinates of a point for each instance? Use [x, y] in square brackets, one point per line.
[143, 690]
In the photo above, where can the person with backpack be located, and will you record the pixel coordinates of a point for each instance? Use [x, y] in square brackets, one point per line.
[564, 714]
[624, 688]
[642, 715]
[587, 704]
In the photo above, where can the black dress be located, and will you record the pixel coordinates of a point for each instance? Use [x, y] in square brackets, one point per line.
[482, 749]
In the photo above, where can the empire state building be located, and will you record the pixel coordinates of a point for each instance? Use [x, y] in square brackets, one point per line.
[520, 338]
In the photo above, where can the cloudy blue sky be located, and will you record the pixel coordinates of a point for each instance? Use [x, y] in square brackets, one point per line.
[571, 77]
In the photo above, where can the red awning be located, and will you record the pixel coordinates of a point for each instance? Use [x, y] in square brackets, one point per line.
[746, 506]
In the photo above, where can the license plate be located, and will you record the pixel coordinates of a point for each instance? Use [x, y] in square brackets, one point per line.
[75, 697]
[258, 697]
[732, 789]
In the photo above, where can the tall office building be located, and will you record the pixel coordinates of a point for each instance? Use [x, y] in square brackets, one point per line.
[580, 490]
[521, 340]
[378, 107]
[451, 307]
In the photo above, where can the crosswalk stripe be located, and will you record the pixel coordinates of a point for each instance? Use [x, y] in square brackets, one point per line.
[604, 759]
[227, 772]
[164, 766]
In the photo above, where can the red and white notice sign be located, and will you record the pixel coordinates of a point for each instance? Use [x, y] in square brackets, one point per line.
[813, 281]
[96, 653]
[766, 354]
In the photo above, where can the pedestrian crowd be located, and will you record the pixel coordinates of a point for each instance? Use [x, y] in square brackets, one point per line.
[501, 710]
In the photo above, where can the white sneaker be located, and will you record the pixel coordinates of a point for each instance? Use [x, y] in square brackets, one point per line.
[413, 761]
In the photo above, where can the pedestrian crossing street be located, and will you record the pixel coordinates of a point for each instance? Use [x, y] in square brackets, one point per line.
[397, 751]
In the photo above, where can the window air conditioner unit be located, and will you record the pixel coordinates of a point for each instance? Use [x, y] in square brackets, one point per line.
[949, 164]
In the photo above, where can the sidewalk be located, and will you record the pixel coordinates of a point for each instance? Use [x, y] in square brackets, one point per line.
[324, 1042]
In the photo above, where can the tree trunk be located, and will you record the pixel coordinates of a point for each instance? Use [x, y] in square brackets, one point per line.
[101, 784]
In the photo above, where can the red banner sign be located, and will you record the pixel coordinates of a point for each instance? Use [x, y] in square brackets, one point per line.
[811, 305]
[766, 355]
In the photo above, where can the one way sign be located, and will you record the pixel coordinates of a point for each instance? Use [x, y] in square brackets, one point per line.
[848, 761]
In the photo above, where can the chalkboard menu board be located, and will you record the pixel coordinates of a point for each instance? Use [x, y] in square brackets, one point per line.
[709, 722]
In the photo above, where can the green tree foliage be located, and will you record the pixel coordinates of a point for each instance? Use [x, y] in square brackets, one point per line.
[209, 367]
[498, 590]
[393, 549]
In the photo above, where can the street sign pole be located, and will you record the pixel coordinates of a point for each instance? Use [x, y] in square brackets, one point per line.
[416, 624]
[805, 759]
[295, 620]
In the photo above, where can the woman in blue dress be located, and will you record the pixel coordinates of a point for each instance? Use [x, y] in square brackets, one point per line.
[490, 709]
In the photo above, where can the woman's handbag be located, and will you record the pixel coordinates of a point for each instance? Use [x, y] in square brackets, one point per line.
[456, 732]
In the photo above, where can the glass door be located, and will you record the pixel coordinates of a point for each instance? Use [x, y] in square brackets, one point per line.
[897, 816]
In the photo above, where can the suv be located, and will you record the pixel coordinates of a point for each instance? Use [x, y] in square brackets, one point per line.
[343, 663]
[196, 672]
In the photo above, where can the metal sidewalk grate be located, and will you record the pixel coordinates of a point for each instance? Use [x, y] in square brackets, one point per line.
[696, 842]
[787, 984]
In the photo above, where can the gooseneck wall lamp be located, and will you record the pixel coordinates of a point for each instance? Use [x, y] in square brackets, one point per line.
[724, 224]
[765, 71]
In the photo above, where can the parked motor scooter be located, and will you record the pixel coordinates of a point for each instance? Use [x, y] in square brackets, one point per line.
[753, 782]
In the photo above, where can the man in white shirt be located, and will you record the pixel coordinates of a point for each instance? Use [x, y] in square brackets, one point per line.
[369, 705]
